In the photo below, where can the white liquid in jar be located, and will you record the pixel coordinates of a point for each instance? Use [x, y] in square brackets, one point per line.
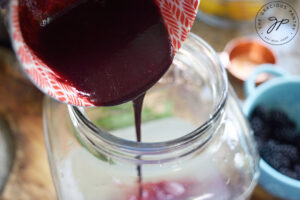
[85, 177]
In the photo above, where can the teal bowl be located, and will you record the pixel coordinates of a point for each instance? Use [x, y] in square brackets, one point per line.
[281, 92]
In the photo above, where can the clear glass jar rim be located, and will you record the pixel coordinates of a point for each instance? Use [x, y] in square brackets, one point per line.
[158, 147]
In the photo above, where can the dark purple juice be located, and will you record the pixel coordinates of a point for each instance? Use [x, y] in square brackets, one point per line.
[109, 50]
[137, 107]
[112, 51]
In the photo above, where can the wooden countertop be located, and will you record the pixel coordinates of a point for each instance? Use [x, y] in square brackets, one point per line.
[21, 106]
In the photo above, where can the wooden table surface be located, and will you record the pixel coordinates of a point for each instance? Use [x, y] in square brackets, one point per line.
[21, 106]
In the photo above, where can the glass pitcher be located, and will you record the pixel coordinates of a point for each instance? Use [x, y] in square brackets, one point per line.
[196, 143]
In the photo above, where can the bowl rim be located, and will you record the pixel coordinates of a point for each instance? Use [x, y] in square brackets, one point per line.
[264, 166]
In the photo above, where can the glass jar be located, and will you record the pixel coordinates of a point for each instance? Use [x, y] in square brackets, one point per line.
[196, 143]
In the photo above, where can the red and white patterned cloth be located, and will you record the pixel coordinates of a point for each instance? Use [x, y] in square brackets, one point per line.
[178, 16]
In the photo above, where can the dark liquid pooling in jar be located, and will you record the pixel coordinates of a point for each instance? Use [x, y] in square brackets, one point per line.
[110, 50]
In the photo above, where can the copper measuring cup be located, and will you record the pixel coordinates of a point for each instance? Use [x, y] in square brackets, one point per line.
[242, 55]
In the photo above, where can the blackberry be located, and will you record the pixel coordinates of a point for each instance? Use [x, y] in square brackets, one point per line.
[257, 124]
[297, 141]
[289, 151]
[278, 118]
[271, 153]
[259, 127]
[292, 124]
[297, 169]
[285, 134]
[265, 132]
[277, 160]
[260, 141]
[272, 146]
[288, 172]
[260, 112]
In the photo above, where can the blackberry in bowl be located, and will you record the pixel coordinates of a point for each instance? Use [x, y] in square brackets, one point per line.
[273, 110]
[277, 137]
